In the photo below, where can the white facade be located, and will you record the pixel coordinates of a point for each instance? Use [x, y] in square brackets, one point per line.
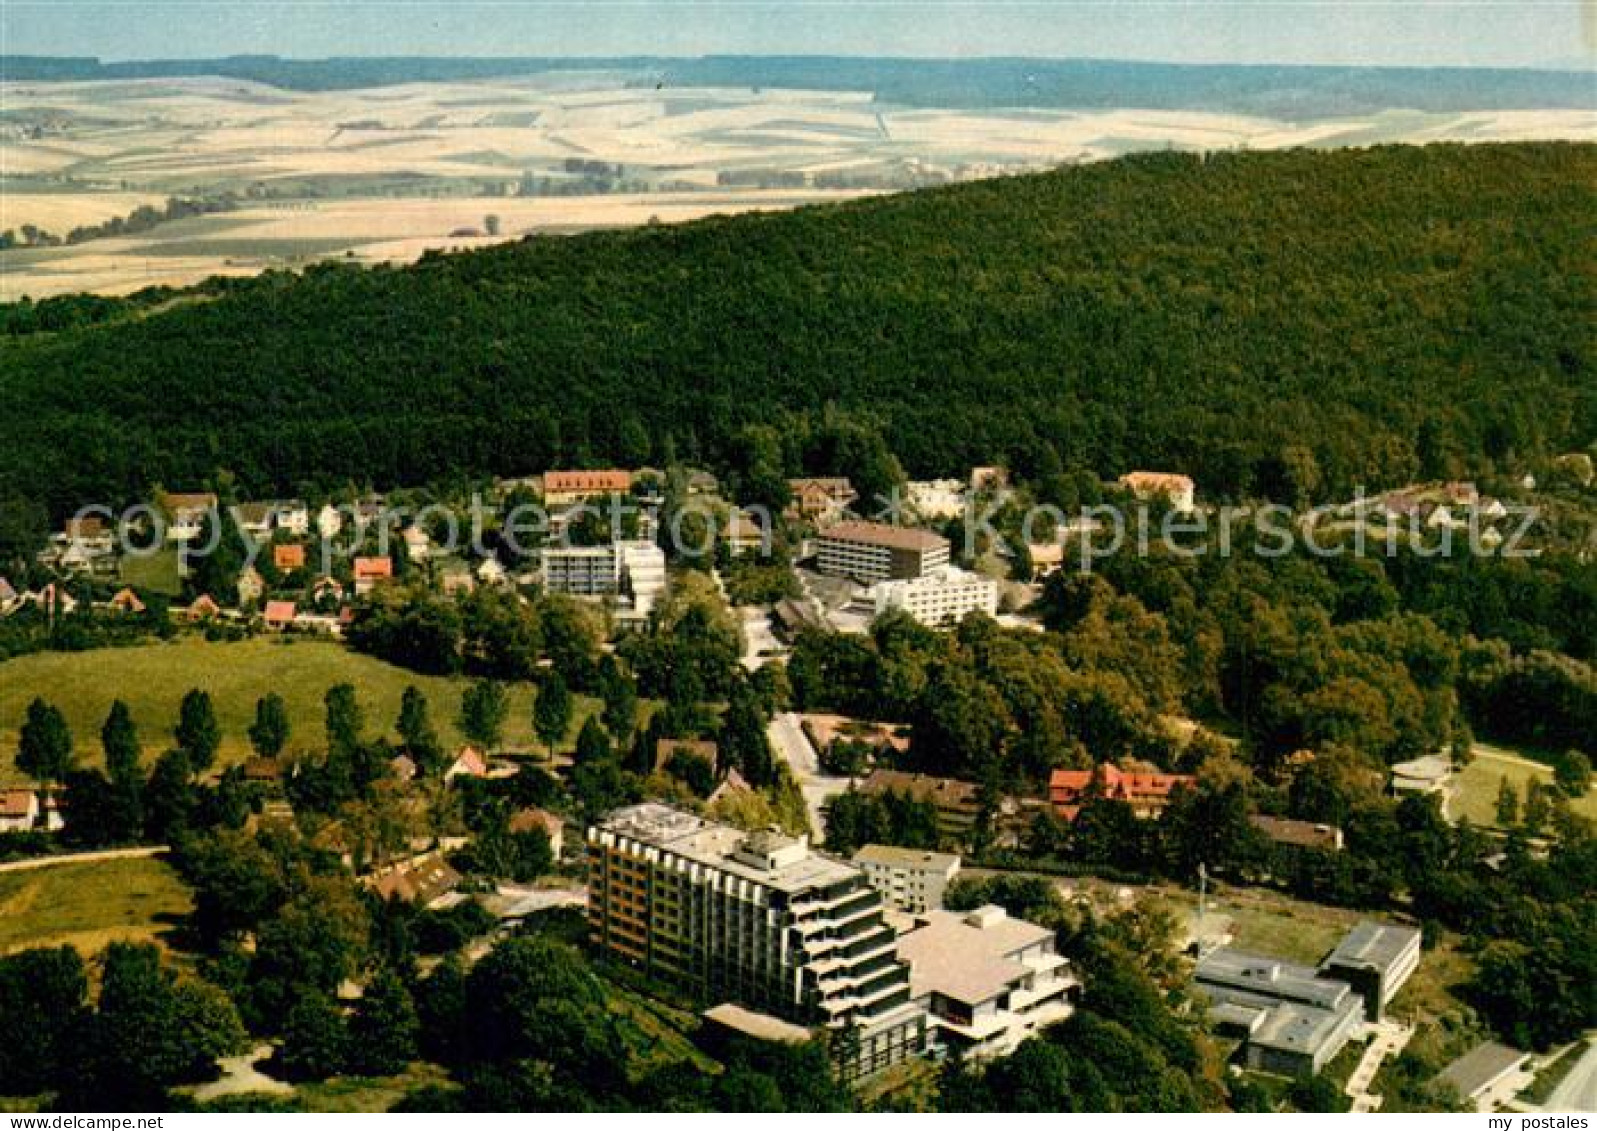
[870, 552]
[942, 597]
[908, 878]
[635, 569]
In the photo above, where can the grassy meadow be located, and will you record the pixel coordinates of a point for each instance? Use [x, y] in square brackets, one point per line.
[90, 904]
[1476, 786]
[153, 678]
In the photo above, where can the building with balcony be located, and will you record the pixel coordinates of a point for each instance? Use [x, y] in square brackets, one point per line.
[755, 919]
[986, 981]
[869, 552]
[909, 879]
[939, 598]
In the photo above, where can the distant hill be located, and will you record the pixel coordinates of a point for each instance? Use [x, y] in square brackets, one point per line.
[1291, 92]
[1259, 320]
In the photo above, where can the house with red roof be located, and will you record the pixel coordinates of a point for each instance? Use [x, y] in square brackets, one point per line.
[470, 762]
[371, 572]
[288, 557]
[125, 601]
[204, 608]
[279, 615]
[1147, 793]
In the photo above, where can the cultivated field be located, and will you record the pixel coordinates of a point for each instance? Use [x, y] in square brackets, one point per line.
[89, 905]
[387, 173]
[153, 679]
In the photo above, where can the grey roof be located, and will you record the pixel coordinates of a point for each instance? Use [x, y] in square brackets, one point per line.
[909, 859]
[1305, 1029]
[1375, 946]
[1253, 979]
[1481, 1067]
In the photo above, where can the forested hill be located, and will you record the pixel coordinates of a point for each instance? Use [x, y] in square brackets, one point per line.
[1392, 313]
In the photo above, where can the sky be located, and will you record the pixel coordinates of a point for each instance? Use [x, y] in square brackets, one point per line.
[1369, 32]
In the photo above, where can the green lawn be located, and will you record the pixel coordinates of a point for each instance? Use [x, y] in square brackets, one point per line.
[153, 678]
[157, 573]
[89, 905]
[1477, 785]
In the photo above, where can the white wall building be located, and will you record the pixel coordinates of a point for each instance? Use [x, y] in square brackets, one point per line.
[941, 597]
[872, 551]
[909, 879]
[634, 570]
[986, 981]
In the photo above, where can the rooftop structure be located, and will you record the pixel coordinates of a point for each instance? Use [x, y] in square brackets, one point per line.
[987, 981]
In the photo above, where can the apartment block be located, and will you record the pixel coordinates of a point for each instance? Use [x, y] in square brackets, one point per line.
[631, 570]
[755, 919]
[909, 879]
[870, 552]
[938, 598]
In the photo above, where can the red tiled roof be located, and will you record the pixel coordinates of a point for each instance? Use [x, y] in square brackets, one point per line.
[288, 557]
[1067, 788]
[598, 482]
[279, 612]
[1155, 481]
[16, 803]
[368, 569]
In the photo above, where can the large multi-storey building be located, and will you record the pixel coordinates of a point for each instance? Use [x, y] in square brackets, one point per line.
[634, 570]
[870, 552]
[938, 598]
[757, 919]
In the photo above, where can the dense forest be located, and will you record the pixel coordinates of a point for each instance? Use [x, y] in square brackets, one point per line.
[1398, 312]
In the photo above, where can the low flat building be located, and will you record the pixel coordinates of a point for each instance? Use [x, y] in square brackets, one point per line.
[1290, 834]
[986, 981]
[1431, 774]
[939, 598]
[1293, 1021]
[1375, 959]
[869, 552]
[909, 879]
[1488, 1076]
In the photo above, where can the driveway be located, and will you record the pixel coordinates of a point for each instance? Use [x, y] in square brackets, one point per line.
[33, 862]
[1577, 1091]
[793, 747]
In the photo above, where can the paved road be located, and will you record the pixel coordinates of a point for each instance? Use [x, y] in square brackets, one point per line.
[760, 644]
[241, 1077]
[793, 747]
[84, 857]
[1578, 1090]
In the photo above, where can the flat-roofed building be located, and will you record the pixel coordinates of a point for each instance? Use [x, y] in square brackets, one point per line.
[633, 571]
[986, 981]
[938, 598]
[756, 919]
[870, 552]
[910, 879]
[1292, 1020]
[1488, 1076]
[1375, 959]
